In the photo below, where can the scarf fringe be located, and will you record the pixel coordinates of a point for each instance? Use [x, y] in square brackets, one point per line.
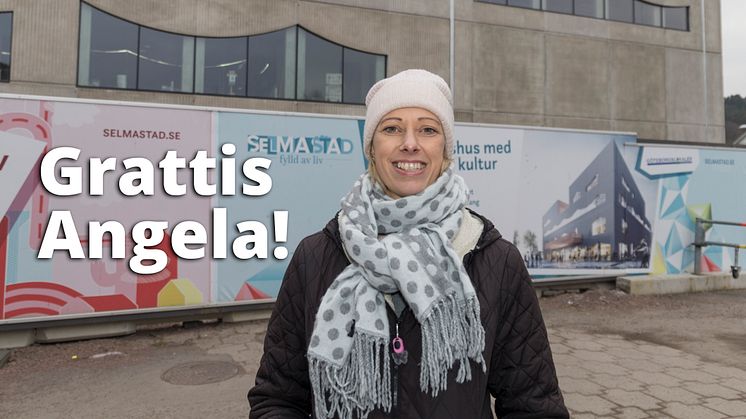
[354, 388]
[451, 332]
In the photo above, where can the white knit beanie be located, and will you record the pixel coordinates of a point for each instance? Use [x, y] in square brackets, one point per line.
[409, 89]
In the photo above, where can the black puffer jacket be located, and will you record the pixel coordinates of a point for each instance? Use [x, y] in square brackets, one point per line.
[520, 375]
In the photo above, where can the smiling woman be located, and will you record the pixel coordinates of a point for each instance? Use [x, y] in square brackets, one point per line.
[407, 304]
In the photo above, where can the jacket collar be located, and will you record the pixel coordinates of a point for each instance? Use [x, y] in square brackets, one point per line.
[489, 232]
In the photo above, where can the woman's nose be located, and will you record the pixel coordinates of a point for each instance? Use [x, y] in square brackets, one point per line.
[410, 141]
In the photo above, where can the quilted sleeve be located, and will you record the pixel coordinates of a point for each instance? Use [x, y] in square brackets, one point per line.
[522, 376]
[282, 387]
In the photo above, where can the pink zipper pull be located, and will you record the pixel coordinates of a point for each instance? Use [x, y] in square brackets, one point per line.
[397, 343]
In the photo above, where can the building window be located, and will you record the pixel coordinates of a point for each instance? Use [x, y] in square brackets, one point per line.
[623, 250]
[590, 8]
[559, 6]
[220, 66]
[620, 10]
[647, 14]
[605, 251]
[622, 201]
[290, 63]
[598, 226]
[528, 4]
[624, 185]
[6, 34]
[272, 64]
[319, 68]
[107, 55]
[599, 199]
[592, 184]
[361, 70]
[676, 18]
[640, 12]
[576, 198]
[166, 61]
[625, 226]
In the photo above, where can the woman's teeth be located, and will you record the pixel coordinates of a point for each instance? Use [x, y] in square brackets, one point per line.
[410, 167]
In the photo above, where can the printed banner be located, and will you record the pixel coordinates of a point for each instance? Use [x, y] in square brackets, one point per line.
[62, 285]
[315, 161]
[570, 201]
[715, 190]
[237, 191]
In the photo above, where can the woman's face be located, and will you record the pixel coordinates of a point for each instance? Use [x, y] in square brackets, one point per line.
[408, 148]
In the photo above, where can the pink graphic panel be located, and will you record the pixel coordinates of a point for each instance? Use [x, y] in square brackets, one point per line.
[99, 131]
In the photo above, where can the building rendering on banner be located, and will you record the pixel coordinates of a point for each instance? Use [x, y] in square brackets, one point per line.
[649, 67]
[604, 222]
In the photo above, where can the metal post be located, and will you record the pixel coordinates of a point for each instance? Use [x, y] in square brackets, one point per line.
[699, 238]
[704, 68]
[735, 269]
[453, 49]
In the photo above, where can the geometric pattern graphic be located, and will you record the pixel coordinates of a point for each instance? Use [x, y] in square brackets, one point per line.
[179, 292]
[659, 262]
[676, 230]
[249, 292]
[703, 211]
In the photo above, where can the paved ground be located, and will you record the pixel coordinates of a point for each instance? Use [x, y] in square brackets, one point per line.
[621, 356]
[612, 377]
[617, 357]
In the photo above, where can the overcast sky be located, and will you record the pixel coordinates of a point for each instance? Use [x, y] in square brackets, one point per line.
[734, 47]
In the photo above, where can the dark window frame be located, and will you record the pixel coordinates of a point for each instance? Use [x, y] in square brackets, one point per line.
[192, 92]
[10, 47]
[542, 8]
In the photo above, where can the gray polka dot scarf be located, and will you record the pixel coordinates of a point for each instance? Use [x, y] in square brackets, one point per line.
[394, 245]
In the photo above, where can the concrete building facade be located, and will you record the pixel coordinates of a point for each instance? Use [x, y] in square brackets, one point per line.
[513, 65]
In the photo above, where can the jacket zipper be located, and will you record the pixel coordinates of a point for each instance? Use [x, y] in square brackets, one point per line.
[395, 392]
[395, 378]
[395, 367]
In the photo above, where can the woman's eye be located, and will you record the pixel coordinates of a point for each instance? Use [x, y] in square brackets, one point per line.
[391, 130]
[429, 130]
